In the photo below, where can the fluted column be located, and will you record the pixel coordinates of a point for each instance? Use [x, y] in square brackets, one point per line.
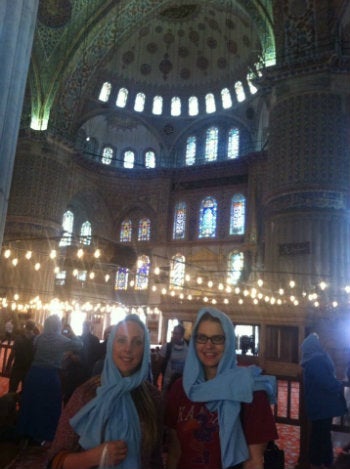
[17, 26]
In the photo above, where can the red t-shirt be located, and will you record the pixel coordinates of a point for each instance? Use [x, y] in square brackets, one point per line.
[198, 429]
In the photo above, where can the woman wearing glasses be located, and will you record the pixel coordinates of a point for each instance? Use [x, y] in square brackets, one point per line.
[208, 427]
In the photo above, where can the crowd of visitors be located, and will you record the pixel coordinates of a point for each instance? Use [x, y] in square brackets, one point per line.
[187, 404]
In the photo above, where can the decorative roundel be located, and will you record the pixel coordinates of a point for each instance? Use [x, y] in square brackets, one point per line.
[232, 46]
[144, 31]
[183, 51]
[212, 42]
[55, 13]
[213, 24]
[202, 63]
[168, 38]
[230, 24]
[194, 36]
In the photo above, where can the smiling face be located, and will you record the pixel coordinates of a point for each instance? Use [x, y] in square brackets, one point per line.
[128, 347]
[208, 353]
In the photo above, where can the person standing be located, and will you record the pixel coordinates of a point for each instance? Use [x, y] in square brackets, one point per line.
[22, 355]
[173, 355]
[90, 352]
[114, 420]
[324, 399]
[218, 414]
[41, 400]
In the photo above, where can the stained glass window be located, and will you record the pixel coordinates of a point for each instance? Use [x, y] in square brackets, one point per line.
[179, 228]
[193, 106]
[210, 105]
[105, 92]
[235, 267]
[122, 97]
[85, 233]
[191, 146]
[121, 279]
[150, 159]
[142, 273]
[211, 144]
[175, 106]
[129, 159]
[144, 229]
[67, 226]
[140, 102]
[207, 218]
[237, 214]
[226, 98]
[107, 155]
[157, 107]
[239, 91]
[177, 271]
[126, 231]
[233, 143]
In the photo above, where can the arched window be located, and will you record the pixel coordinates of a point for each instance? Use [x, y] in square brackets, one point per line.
[207, 218]
[177, 271]
[105, 92]
[126, 231]
[226, 98]
[150, 159]
[90, 146]
[175, 106]
[122, 97]
[121, 278]
[235, 265]
[139, 105]
[239, 91]
[144, 229]
[211, 144]
[179, 228]
[157, 107]
[107, 155]
[193, 106]
[129, 159]
[252, 88]
[233, 143]
[85, 233]
[142, 273]
[237, 215]
[67, 226]
[210, 105]
[191, 146]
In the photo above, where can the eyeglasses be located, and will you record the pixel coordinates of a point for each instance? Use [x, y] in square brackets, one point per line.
[214, 339]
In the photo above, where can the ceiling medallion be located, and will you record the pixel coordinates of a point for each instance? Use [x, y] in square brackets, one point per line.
[165, 66]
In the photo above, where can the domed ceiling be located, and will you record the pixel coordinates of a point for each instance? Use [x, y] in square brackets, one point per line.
[187, 46]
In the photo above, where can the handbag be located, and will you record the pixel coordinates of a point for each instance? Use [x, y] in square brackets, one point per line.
[273, 456]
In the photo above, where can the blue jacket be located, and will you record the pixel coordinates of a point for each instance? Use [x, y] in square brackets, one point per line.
[324, 394]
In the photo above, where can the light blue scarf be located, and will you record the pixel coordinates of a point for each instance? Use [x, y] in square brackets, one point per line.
[224, 393]
[112, 414]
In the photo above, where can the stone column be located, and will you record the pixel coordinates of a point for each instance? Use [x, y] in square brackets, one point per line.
[17, 26]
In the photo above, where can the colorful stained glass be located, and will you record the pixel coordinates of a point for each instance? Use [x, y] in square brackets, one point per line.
[126, 231]
[207, 218]
[179, 228]
[121, 279]
[233, 143]
[144, 229]
[237, 215]
[142, 273]
[85, 233]
[235, 267]
[211, 144]
[191, 146]
[67, 226]
[177, 271]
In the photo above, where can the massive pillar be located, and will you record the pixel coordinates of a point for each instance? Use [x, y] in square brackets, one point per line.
[17, 26]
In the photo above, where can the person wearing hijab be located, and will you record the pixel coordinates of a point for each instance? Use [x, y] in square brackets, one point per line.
[114, 420]
[324, 399]
[41, 401]
[218, 415]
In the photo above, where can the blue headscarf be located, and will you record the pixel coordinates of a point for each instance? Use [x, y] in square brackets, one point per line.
[224, 393]
[112, 414]
[311, 348]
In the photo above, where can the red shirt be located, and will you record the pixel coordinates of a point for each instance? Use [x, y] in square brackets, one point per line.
[198, 429]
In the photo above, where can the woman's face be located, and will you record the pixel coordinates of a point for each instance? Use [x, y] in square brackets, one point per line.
[128, 347]
[210, 354]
